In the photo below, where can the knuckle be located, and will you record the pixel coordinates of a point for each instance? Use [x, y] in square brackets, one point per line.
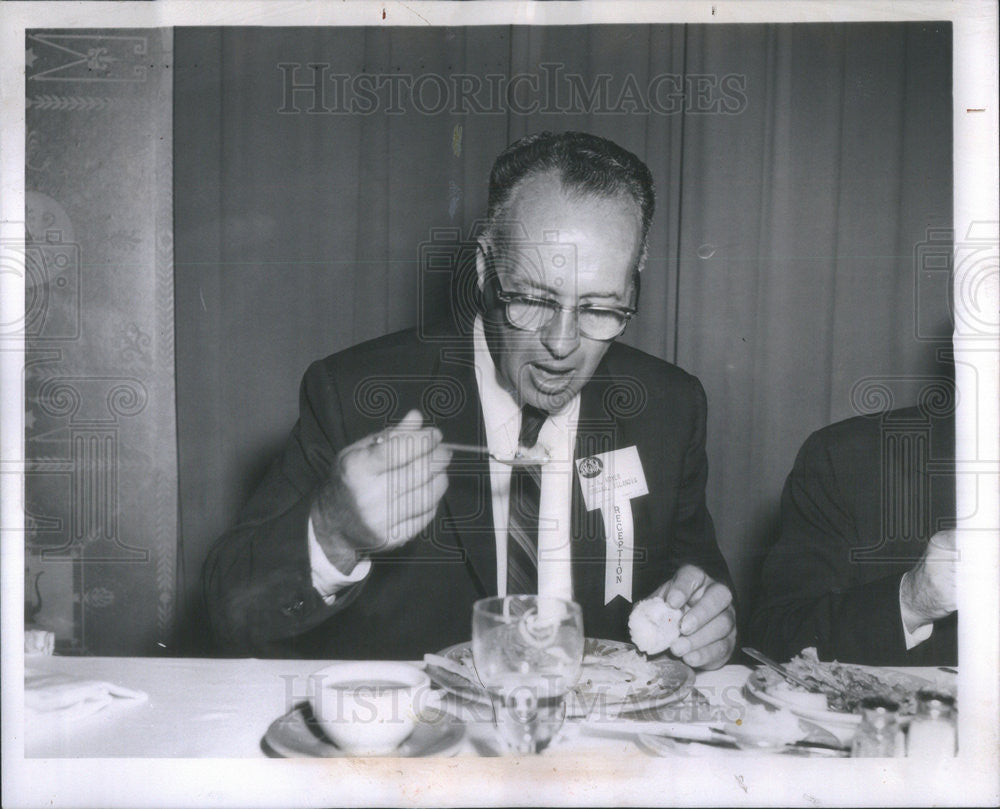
[723, 594]
[398, 450]
[418, 443]
[401, 479]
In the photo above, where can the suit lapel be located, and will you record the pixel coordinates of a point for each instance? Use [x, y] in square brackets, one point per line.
[468, 502]
[596, 432]
[609, 394]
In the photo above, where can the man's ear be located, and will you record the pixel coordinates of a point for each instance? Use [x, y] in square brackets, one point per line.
[483, 251]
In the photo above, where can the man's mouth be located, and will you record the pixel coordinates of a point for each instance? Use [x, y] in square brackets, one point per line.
[549, 379]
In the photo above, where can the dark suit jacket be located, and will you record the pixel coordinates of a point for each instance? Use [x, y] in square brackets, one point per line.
[418, 598]
[857, 510]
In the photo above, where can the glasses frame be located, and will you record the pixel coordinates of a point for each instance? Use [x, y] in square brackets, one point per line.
[508, 298]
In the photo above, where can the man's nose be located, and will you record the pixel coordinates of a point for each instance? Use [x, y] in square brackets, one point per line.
[561, 335]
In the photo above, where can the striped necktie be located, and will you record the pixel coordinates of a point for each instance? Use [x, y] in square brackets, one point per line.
[522, 521]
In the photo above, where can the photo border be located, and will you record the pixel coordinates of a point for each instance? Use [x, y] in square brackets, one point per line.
[557, 780]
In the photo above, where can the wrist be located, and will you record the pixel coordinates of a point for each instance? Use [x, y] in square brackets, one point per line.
[327, 529]
[340, 554]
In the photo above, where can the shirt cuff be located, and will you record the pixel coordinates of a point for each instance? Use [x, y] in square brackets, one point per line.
[326, 579]
[912, 639]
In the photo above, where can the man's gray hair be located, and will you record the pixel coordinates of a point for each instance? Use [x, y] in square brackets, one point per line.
[584, 163]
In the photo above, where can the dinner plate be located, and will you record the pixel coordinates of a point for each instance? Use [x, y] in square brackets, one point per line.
[297, 734]
[841, 722]
[673, 682]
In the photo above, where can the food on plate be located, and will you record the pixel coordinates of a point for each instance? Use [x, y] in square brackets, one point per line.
[624, 667]
[843, 685]
[654, 625]
[460, 668]
[616, 674]
[795, 697]
[537, 454]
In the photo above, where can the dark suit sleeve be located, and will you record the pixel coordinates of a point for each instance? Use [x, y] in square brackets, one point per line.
[694, 532]
[257, 580]
[812, 593]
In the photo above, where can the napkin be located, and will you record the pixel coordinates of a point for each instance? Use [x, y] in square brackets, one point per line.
[39, 642]
[51, 699]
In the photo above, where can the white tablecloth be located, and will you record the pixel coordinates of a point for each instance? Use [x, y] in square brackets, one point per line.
[222, 708]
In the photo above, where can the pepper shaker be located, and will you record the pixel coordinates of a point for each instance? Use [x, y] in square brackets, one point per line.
[879, 735]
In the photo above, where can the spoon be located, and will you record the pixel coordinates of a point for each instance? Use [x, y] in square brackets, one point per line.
[518, 459]
[728, 735]
[688, 732]
[765, 744]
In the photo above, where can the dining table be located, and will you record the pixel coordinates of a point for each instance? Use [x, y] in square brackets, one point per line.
[224, 708]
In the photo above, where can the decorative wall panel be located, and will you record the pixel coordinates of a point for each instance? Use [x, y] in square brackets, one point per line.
[101, 485]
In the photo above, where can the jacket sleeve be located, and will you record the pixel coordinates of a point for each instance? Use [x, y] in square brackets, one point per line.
[812, 593]
[257, 581]
[694, 531]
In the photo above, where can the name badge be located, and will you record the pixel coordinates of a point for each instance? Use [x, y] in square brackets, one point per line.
[609, 481]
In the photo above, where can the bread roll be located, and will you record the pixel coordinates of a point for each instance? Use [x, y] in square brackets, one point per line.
[654, 625]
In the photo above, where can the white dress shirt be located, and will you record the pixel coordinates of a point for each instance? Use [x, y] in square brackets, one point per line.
[918, 635]
[502, 420]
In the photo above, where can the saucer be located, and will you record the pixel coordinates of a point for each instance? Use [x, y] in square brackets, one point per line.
[297, 734]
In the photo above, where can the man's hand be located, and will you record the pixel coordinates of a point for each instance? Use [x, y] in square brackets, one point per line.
[927, 591]
[383, 491]
[708, 628]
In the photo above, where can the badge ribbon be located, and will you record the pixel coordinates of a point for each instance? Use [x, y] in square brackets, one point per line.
[609, 481]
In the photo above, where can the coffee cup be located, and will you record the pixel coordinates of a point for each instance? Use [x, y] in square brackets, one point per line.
[369, 708]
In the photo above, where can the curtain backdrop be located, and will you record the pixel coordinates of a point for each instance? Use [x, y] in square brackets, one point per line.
[802, 296]
[799, 171]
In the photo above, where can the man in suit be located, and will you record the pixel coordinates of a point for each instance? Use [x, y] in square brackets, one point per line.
[864, 566]
[372, 535]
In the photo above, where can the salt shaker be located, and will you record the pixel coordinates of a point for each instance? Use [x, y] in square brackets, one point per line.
[879, 735]
[932, 734]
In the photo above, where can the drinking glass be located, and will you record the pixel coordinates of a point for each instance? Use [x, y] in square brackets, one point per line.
[528, 652]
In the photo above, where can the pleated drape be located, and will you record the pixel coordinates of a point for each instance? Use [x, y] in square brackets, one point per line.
[781, 265]
[800, 222]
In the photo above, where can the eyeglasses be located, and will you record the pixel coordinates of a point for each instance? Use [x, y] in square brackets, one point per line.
[530, 313]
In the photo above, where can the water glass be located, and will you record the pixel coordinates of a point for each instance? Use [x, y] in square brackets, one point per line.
[528, 652]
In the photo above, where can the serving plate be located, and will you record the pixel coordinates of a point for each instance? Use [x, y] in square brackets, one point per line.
[840, 722]
[673, 682]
